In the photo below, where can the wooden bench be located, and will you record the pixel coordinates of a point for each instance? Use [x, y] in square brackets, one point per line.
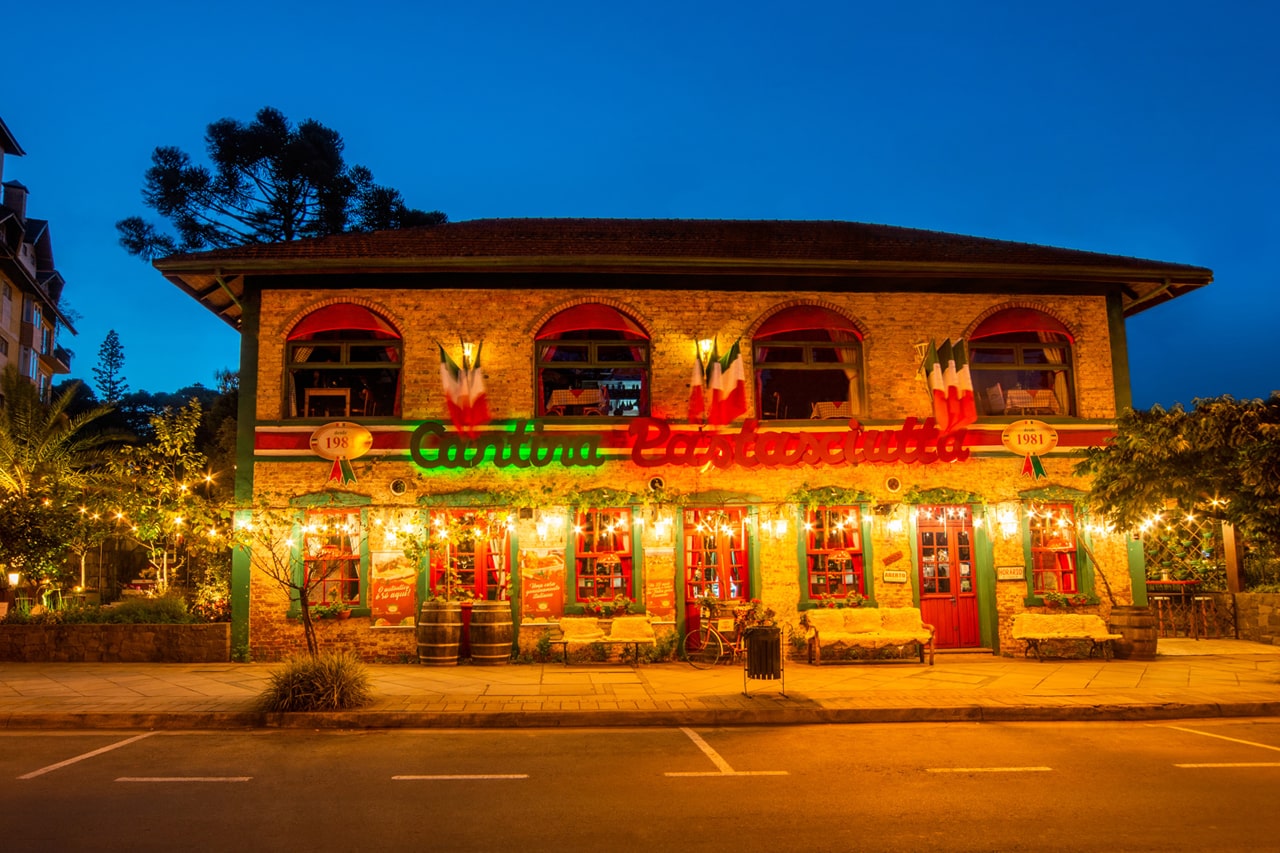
[581, 632]
[1038, 629]
[867, 628]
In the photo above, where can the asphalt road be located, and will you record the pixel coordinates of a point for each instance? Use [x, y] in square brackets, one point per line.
[1194, 785]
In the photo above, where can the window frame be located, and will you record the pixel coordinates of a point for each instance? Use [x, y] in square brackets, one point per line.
[587, 532]
[345, 373]
[804, 341]
[981, 372]
[814, 558]
[1039, 518]
[693, 587]
[444, 554]
[312, 552]
[593, 362]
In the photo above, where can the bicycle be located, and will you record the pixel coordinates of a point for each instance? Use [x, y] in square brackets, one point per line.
[704, 646]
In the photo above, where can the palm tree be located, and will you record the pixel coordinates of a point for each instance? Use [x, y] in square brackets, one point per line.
[44, 452]
[47, 457]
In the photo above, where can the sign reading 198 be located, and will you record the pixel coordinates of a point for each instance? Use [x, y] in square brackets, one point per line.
[1029, 436]
[341, 440]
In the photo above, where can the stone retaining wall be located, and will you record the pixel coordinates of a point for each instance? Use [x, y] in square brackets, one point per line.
[116, 643]
[1258, 617]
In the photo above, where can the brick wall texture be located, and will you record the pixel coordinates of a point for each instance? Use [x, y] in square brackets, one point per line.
[507, 320]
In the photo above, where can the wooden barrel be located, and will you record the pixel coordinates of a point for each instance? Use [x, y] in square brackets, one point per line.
[1138, 627]
[439, 632]
[491, 632]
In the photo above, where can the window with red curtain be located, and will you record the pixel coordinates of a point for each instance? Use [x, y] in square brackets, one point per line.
[603, 553]
[833, 551]
[715, 554]
[807, 365]
[343, 361]
[1021, 364]
[331, 556]
[592, 360]
[469, 554]
[1053, 549]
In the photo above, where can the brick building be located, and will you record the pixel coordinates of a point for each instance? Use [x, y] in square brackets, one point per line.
[594, 477]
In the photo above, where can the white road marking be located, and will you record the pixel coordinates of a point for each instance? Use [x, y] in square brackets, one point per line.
[455, 777]
[52, 767]
[988, 769]
[1237, 764]
[183, 778]
[725, 769]
[1224, 737]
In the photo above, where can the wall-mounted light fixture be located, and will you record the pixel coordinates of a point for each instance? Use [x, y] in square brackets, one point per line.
[704, 348]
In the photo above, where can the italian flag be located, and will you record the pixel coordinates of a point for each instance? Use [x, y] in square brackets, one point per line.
[728, 387]
[697, 388]
[464, 393]
[936, 380]
[946, 369]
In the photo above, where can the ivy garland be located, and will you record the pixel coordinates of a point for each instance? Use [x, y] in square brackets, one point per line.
[1058, 495]
[942, 495]
[814, 496]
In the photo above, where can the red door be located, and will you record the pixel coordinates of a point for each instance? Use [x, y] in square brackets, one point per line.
[948, 592]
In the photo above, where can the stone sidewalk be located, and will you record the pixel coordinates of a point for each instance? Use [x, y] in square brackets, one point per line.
[1206, 678]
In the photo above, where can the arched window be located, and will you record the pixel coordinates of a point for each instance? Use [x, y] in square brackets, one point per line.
[343, 360]
[807, 365]
[1020, 361]
[592, 360]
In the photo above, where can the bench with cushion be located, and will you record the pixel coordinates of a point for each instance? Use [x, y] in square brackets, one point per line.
[580, 632]
[1038, 629]
[867, 628]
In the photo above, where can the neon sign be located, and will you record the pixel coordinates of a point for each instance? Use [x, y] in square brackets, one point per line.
[653, 442]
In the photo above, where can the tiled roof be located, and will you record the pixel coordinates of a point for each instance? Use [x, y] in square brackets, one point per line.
[760, 240]
[674, 246]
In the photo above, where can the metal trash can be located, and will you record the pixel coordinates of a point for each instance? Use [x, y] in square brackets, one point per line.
[764, 656]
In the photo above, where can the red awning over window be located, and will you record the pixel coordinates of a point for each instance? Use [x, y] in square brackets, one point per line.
[1015, 320]
[591, 316]
[343, 316]
[806, 318]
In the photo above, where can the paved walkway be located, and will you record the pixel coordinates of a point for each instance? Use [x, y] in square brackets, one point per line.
[1206, 678]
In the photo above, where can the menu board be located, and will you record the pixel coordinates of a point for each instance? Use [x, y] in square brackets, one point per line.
[660, 596]
[392, 588]
[542, 584]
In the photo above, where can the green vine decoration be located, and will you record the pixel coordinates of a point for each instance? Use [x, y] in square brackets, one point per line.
[810, 497]
[1057, 495]
[942, 495]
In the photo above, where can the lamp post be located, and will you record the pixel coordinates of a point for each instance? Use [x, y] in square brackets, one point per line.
[12, 597]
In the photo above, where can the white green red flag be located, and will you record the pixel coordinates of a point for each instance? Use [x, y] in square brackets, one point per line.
[728, 387]
[934, 378]
[946, 371]
[697, 388]
[464, 393]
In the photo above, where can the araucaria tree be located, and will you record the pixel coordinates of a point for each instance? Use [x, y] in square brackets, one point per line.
[270, 181]
[1222, 460]
[110, 370]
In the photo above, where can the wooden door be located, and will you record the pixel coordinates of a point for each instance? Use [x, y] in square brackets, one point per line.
[948, 582]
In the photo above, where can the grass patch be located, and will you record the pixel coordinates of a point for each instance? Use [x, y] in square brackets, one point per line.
[331, 681]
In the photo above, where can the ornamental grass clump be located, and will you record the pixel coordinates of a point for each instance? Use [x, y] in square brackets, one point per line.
[330, 681]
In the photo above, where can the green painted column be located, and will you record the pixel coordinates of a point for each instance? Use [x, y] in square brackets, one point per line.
[246, 420]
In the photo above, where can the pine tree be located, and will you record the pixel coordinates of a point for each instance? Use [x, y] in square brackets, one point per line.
[109, 373]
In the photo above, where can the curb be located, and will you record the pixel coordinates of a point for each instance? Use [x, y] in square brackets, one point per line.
[967, 713]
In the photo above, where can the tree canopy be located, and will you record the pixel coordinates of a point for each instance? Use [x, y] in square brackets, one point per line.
[1222, 460]
[271, 181]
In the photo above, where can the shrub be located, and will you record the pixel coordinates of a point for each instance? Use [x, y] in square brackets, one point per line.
[331, 681]
[164, 610]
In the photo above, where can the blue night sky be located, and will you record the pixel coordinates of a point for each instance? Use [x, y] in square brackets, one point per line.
[1133, 128]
